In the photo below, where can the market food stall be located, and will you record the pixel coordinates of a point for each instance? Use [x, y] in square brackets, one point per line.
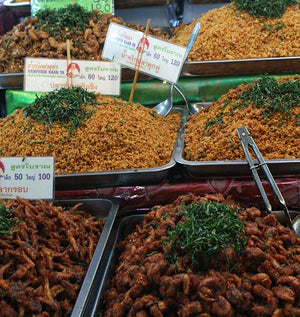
[176, 225]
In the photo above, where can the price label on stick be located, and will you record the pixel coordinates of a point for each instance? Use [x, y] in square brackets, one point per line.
[160, 59]
[44, 75]
[26, 177]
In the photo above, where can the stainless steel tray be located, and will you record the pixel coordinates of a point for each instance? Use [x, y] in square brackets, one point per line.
[100, 208]
[201, 68]
[198, 169]
[20, 9]
[242, 66]
[11, 80]
[128, 177]
[16, 80]
[125, 227]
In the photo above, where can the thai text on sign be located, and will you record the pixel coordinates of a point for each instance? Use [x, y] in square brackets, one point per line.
[44, 75]
[161, 59]
[26, 177]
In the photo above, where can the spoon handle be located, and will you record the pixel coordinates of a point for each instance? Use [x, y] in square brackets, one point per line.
[192, 40]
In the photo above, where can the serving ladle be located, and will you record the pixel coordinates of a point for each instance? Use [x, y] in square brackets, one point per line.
[164, 107]
[247, 141]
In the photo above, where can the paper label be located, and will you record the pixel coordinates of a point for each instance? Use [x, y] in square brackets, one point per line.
[44, 75]
[161, 59]
[104, 6]
[29, 177]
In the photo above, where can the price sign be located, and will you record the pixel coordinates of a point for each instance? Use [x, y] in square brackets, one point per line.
[104, 6]
[29, 177]
[160, 59]
[44, 75]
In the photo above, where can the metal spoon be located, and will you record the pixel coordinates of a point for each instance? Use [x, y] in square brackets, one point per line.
[247, 140]
[164, 107]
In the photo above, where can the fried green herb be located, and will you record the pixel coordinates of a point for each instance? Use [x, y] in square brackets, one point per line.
[232, 143]
[270, 27]
[210, 123]
[68, 106]
[264, 8]
[71, 18]
[7, 221]
[272, 96]
[204, 230]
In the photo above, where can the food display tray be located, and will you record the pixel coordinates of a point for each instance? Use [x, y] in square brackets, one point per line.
[125, 227]
[16, 80]
[20, 9]
[242, 66]
[118, 234]
[193, 69]
[127, 177]
[101, 209]
[239, 168]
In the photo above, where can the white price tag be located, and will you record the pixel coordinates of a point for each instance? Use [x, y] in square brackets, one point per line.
[160, 59]
[28, 177]
[44, 75]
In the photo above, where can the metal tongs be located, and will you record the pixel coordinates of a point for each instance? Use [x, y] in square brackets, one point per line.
[247, 141]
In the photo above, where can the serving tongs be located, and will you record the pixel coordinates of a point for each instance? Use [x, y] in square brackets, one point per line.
[247, 141]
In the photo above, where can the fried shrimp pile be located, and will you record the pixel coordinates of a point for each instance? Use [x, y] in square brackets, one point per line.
[261, 280]
[44, 258]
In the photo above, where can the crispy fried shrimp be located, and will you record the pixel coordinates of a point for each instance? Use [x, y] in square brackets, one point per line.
[263, 292]
[117, 310]
[91, 46]
[141, 284]
[190, 309]
[62, 47]
[210, 286]
[155, 311]
[33, 35]
[278, 313]
[42, 34]
[221, 307]
[234, 295]
[19, 52]
[53, 43]
[97, 30]
[285, 293]
[262, 279]
[87, 33]
[156, 270]
[291, 281]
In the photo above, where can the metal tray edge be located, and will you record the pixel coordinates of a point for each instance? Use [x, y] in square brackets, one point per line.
[116, 237]
[86, 286]
[242, 66]
[204, 168]
[197, 68]
[126, 177]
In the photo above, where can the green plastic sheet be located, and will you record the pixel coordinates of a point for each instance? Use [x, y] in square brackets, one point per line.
[151, 92]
